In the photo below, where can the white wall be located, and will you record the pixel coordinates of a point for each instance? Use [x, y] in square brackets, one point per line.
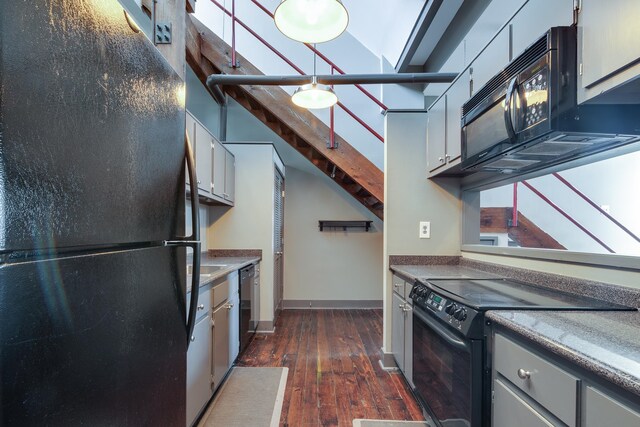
[334, 264]
[249, 224]
[410, 198]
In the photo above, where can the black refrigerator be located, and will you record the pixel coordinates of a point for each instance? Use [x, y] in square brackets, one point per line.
[93, 325]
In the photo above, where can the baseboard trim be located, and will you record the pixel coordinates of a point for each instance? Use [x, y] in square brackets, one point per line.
[387, 361]
[265, 327]
[329, 304]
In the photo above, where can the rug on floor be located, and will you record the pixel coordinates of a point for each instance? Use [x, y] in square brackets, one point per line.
[385, 423]
[249, 397]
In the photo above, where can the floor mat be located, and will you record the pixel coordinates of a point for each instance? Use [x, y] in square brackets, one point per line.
[384, 423]
[249, 397]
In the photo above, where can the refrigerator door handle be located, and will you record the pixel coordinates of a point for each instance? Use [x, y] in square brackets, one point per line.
[192, 241]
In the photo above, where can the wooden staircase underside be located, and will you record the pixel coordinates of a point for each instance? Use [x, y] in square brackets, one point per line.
[208, 54]
[526, 233]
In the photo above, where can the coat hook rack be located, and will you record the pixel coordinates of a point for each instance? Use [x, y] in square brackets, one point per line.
[322, 224]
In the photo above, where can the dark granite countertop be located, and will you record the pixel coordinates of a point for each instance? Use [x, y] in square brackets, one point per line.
[439, 271]
[230, 264]
[606, 343]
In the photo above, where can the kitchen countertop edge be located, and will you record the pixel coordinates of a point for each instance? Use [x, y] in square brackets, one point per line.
[232, 263]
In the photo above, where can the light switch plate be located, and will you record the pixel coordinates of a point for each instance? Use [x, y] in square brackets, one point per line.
[425, 230]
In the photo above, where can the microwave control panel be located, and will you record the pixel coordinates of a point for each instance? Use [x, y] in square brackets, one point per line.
[536, 94]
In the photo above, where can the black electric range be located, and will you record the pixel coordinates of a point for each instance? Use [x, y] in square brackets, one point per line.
[451, 369]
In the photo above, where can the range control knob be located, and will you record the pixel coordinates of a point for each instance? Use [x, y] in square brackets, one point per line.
[460, 314]
[450, 308]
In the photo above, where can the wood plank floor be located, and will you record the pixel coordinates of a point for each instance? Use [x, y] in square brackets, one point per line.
[334, 371]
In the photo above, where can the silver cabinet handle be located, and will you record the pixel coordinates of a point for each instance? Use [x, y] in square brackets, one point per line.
[396, 285]
[201, 307]
[229, 306]
[522, 374]
[440, 159]
[401, 306]
[447, 157]
[193, 338]
[406, 308]
[198, 181]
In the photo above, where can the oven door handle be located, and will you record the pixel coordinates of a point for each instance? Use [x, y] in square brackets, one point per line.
[441, 331]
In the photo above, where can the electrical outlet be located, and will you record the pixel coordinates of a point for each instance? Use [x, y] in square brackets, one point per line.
[425, 230]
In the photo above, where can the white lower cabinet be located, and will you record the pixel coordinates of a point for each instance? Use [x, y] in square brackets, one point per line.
[221, 317]
[215, 342]
[234, 321]
[530, 389]
[602, 410]
[199, 369]
[402, 323]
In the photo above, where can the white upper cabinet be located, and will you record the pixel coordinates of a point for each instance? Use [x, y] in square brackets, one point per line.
[535, 18]
[458, 94]
[491, 60]
[203, 159]
[215, 165]
[436, 135]
[608, 45]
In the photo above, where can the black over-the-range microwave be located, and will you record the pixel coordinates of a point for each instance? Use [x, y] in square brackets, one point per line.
[527, 118]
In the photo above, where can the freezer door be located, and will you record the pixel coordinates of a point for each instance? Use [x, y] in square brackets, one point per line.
[95, 340]
[92, 126]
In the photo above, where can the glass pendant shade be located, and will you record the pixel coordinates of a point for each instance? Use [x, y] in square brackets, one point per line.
[311, 21]
[314, 96]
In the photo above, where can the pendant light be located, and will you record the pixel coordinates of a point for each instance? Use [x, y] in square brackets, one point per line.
[311, 21]
[314, 95]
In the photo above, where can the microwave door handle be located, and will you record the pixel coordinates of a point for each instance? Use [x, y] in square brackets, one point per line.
[508, 121]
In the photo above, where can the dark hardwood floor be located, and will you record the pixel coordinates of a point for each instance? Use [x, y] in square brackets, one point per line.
[334, 371]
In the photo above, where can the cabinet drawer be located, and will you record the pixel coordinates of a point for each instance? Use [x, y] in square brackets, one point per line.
[510, 410]
[549, 385]
[204, 303]
[220, 292]
[398, 285]
[601, 410]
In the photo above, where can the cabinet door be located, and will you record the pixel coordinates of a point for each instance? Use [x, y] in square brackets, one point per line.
[510, 410]
[436, 134]
[408, 345]
[220, 343]
[199, 369]
[234, 327]
[219, 164]
[230, 177]
[535, 18]
[458, 94]
[191, 131]
[397, 339]
[609, 37]
[203, 159]
[492, 59]
[601, 410]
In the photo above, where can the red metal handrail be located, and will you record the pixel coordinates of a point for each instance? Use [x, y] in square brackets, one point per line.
[294, 66]
[593, 204]
[327, 60]
[566, 215]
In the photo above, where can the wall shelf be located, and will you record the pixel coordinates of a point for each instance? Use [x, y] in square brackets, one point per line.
[322, 224]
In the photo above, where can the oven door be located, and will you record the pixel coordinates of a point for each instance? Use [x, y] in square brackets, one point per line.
[447, 372]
